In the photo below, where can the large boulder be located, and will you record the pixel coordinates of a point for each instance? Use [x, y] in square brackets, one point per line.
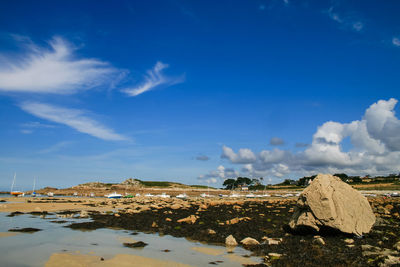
[330, 202]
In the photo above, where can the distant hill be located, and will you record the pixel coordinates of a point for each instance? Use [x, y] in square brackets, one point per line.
[136, 183]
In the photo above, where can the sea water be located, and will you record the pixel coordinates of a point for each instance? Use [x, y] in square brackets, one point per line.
[34, 249]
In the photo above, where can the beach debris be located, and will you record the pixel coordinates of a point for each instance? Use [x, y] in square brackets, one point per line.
[230, 241]
[330, 202]
[248, 241]
[139, 244]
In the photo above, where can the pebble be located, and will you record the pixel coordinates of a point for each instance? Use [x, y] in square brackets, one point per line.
[230, 241]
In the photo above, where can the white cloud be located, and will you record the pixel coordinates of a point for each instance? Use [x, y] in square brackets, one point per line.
[73, 118]
[375, 149]
[396, 41]
[383, 125]
[54, 70]
[153, 79]
[244, 155]
[221, 172]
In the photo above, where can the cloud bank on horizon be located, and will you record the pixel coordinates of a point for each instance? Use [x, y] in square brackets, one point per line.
[375, 149]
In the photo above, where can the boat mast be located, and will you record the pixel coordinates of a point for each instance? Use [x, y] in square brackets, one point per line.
[34, 183]
[13, 182]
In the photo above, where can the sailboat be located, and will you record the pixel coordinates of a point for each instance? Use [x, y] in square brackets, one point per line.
[15, 193]
[114, 195]
[33, 190]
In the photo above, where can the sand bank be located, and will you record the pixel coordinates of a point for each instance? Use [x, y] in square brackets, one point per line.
[119, 260]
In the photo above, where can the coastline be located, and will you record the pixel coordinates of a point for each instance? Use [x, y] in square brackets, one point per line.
[212, 220]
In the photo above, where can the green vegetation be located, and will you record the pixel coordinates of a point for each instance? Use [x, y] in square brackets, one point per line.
[201, 186]
[240, 182]
[155, 183]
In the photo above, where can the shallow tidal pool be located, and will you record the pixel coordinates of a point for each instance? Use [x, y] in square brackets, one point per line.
[56, 245]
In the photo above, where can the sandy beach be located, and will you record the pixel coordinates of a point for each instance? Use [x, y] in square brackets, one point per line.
[210, 221]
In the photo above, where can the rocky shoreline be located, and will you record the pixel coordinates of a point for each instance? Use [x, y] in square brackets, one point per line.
[213, 220]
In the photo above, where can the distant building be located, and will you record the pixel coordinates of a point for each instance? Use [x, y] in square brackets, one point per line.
[366, 179]
[244, 188]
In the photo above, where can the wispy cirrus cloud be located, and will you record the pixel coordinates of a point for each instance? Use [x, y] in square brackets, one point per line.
[30, 127]
[345, 21]
[154, 78]
[52, 70]
[396, 41]
[56, 147]
[74, 118]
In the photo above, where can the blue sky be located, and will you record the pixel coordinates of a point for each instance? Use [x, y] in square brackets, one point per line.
[197, 91]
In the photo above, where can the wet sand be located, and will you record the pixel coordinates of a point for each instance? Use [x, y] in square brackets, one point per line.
[7, 234]
[69, 259]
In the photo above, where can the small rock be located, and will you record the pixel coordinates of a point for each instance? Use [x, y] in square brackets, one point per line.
[154, 225]
[116, 215]
[349, 241]
[84, 214]
[138, 244]
[176, 206]
[319, 240]
[274, 256]
[230, 241]
[232, 221]
[397, 246]
[168, 219]
[190, 219]
[391, 261]
[248, 241]
[211, 232]
[389, 207]
[274, 241]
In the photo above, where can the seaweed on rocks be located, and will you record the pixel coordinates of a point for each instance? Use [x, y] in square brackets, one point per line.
[15, 213]
[139, 244]
[263, 220]
[25, 230]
